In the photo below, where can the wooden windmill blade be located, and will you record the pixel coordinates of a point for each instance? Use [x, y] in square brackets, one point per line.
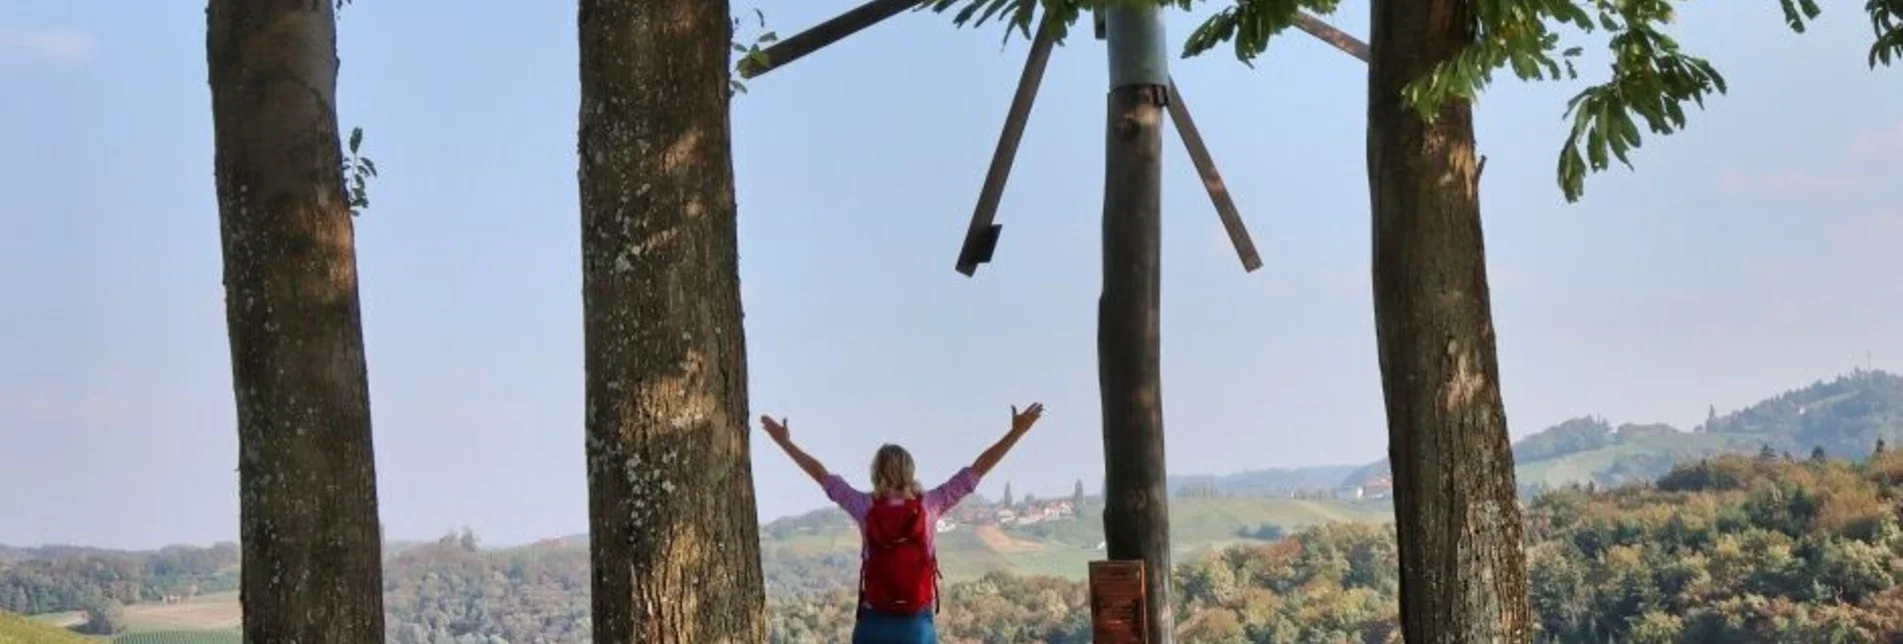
[1212, 180]
[981, 238]
[823, 34]
[1329, 34]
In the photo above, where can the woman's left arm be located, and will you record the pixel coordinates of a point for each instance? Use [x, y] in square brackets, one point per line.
[943, 497]
[1020, 425]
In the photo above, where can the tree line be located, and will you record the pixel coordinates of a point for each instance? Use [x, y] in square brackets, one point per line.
[57, 580]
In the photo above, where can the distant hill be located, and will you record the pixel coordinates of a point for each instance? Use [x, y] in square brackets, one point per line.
[1845, 417]
[1269, 482]
[15, 629]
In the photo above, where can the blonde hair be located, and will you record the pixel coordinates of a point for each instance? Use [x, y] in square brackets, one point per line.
[892, 473]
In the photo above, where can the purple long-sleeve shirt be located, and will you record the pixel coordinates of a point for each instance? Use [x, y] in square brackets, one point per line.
[936, 502]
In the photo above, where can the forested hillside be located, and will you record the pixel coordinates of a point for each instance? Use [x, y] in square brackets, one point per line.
[64, 578]
[1778, 523]
[1732, 549]
[1845, 417]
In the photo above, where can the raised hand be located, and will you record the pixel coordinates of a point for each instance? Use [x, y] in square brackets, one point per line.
[775, 429]
[1022, 421]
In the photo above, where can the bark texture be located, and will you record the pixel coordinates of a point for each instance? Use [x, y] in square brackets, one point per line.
[675, 534]
[1129, 345]
[308, 505]
[1463, 569]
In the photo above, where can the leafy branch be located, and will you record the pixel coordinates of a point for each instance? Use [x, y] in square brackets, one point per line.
[1886, 19]
[357, 170]
[1650, 79]
[1886, 23]
[751, 55]
[1249, 25]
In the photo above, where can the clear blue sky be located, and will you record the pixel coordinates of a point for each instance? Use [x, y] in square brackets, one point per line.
[1753, 253]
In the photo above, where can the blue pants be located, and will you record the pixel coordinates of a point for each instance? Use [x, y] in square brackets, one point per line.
[882, 628]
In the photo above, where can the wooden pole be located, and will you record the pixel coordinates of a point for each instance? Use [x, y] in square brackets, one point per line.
[981, 237]
[1212, 181]
[1329, 34]
[824, 34]
[1136, 513]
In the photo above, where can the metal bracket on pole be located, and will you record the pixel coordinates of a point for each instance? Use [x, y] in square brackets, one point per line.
[1139, 53]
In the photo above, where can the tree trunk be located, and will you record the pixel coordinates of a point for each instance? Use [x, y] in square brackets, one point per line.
[1129, 339]
[307, 479]
[674, 531]
[1463, 570]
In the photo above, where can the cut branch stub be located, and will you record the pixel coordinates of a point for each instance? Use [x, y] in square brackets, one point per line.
[1329, 34]
[1212, 180]
[982, 236]
[826, 33]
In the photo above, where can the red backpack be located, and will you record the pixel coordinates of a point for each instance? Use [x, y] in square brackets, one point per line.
[900, 575]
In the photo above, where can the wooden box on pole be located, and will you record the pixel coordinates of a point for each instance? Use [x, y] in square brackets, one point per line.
[1118, 607]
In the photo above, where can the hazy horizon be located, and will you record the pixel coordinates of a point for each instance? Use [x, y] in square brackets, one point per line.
[823, 505]
[1752, 253]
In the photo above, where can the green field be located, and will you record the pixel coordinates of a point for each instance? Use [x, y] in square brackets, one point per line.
[1065, 547]
[214, 612]
[208, 619]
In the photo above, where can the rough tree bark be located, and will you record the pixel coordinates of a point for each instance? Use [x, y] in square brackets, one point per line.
[675, 536]
[308, 505]
[1463, 570]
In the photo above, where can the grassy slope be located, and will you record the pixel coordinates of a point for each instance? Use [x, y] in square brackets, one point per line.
[15, 629]
[1580, 467]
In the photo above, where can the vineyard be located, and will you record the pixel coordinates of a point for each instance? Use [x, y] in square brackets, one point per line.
[181, 637]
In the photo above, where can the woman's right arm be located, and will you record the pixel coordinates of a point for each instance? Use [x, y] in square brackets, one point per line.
[776, 430]
[854, 502]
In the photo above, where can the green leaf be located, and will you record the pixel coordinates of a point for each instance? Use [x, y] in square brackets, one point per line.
[356, 139]
[1798, 11]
